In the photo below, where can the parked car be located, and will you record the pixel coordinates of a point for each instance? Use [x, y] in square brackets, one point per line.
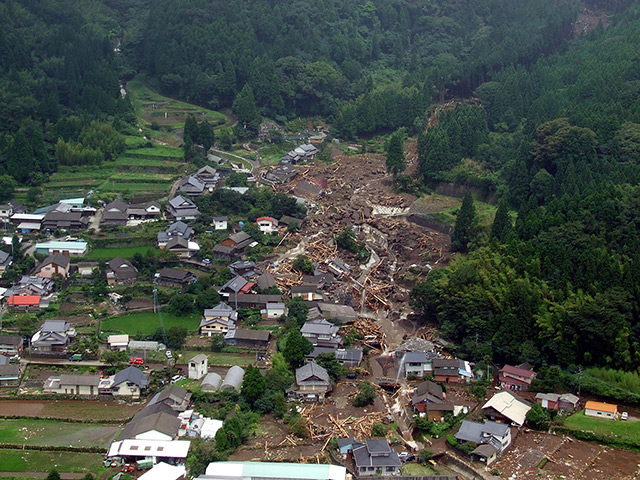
[76, 357]
[177, 378]
[136, 361]
[169, 354]
[624, 416]
[406, 457]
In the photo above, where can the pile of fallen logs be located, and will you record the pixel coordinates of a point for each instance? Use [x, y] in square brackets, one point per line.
[370, 330]
[356, 426]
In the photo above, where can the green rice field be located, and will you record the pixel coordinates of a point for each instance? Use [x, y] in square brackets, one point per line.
[146, 323]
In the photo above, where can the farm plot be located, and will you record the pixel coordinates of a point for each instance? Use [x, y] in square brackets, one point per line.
[147, 323]
[601, 426]
[42, 461]
[53, 433]
[69, 409]
[125, 252]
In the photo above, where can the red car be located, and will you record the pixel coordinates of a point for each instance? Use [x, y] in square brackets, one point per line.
[136, 361]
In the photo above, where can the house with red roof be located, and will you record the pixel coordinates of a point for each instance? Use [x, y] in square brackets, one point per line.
[516, 378]
[267, 224]
[25, 303]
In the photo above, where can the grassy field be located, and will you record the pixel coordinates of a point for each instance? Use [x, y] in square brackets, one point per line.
[38, 461]
[56, 433]
[109, 253]
[147, 322]
[602, 426]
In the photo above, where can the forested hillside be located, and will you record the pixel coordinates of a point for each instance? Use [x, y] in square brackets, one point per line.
[59, 92]
[310, 58]
[560, 285]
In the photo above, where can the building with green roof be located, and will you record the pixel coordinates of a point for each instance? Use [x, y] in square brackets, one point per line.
[272, 470]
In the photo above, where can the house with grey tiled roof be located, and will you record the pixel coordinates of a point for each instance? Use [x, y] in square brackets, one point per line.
[375, 457]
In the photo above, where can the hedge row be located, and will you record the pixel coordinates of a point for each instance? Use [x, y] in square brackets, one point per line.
[19, 446]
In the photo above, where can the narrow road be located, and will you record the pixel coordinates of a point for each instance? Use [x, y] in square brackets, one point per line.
[253, 163]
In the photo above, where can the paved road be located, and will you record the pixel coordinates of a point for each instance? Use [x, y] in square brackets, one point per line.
[253, 163]
[61, 361]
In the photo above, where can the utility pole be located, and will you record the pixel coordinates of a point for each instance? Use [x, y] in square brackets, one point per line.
[579, 380]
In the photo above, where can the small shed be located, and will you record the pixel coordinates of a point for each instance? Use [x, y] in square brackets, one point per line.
[233, 378]
[211, 382]
[198, 367]
[118, 342]
[600, 409]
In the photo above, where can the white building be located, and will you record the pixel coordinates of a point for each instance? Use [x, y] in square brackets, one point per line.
[272, 470]
[198, 367]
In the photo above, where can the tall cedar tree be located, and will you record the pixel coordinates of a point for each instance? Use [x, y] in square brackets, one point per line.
[246, 110]
[395, 154]
[296, 348]
[253, 384]
[465, 227]
[501, 223]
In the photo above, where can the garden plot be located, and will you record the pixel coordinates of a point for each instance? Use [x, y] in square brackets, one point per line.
[52, 433]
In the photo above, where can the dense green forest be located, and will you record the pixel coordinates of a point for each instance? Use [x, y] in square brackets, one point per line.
[514, 102]
[59, 92]
[560, 139]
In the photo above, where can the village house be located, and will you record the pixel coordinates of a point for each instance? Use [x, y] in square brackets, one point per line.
[64, 220]
[281, 174]
[375, 457]
[159, 426]
[601, 410]
[73, 249]
[191, 186]
[246, 269]
[25, 303]
[266, 281]
[506, 407]
[181, 208]
[515, 378]
[114, 214]
[429, 400]
[319, 279]
[175, 397]
[238, 241]
[175, 277]
[252, 300]
[56, 264]
[253, 339]
[130, 451]
[176, 229]
[321, 333]
[349, 357]
[267, 224]
[273, 310]
[120, 271]
[198, 367]
[11, 345]
[182, 248]
[5, 261]
[303, 153]
[32, 285]
[118, 342]
[237, 285]
[220, 223]
[308, 293]
[415, 364]
[452, 370]
[566, 402]
[210, 325]
[86, 269]
[312, 383]
[54, 336]
[143, 212]
[492, 439]
[86, 385]
[126, 384]
[9, 375]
